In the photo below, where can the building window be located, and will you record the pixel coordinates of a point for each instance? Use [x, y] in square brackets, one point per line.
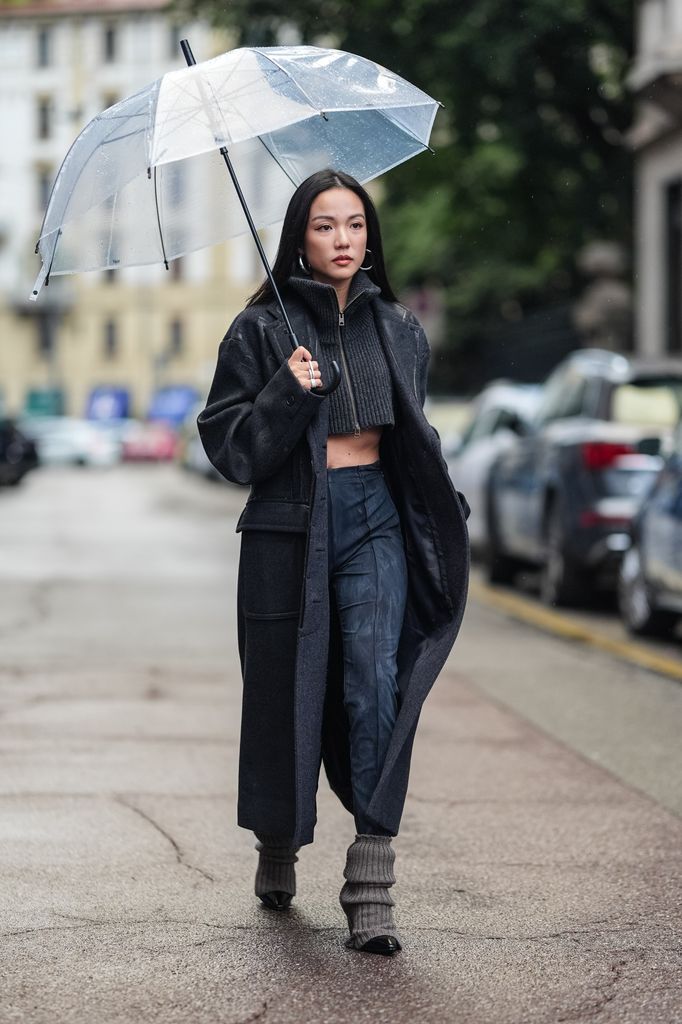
[176, 338]
[44, 187]
[44, 117]
[673, 266]
[110, 339]
[110, 43]
[174, 37]
[45, 338]
[44, 47]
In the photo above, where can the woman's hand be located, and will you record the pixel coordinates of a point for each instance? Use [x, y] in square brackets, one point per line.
[301, 363]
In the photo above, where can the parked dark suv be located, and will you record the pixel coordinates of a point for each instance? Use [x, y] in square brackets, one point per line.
[563, 497]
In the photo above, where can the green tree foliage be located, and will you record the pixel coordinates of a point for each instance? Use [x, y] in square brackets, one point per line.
[530, 161]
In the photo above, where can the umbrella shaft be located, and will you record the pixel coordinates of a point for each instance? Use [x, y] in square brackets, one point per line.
[259, 244]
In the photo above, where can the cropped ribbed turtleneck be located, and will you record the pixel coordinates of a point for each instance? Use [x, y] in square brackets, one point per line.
[365, 386]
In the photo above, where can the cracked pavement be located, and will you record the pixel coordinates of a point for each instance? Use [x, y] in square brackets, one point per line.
[539, 860]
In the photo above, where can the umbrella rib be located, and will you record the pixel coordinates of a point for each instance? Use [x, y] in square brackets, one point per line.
[54, 250]
[119, 138]
[158, 221]
[404, 128]
[111, 230]
[277, 160]
[285, 72]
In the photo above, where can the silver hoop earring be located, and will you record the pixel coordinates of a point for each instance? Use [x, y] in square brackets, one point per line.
[306, 270]
[371, 264]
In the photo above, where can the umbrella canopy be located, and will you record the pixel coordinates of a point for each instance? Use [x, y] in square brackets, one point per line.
[143, 182]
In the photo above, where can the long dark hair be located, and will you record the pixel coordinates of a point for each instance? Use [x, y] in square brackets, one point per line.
[294, 227]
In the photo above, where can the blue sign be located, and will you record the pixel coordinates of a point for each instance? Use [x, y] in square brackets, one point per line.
[108, 403]
[172, 403]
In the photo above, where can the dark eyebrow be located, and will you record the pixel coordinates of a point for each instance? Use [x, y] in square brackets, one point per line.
[326, 216]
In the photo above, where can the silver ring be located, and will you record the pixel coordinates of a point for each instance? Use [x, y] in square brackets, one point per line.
[311, 371]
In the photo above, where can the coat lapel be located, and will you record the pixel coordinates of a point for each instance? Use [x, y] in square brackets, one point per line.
[399, 338]
[276, 329]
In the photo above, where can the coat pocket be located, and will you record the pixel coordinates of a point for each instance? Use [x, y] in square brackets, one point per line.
[272, 514]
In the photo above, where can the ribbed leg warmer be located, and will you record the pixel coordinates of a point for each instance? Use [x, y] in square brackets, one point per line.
[365, 898]
[276, 871]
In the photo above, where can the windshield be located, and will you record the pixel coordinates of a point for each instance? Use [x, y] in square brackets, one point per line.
[654, 402]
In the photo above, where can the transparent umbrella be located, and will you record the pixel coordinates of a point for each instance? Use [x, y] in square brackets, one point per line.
[144, 181]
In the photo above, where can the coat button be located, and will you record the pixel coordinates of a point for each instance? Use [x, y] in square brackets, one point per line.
[290, 400]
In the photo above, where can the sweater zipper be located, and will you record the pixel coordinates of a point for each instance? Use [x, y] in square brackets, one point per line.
[342, 322]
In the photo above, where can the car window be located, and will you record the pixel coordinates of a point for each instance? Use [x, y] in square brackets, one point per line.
[564, 396]
[509, 420]
[484, 426]
[650, 403]
[594, 389]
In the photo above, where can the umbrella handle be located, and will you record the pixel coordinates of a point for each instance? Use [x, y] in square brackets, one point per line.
[333, 369]
[334, 383]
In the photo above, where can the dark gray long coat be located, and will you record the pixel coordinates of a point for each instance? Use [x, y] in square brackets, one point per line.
[260, 427]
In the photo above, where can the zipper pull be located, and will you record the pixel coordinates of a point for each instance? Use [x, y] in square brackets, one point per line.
[342, 319]
[356, 432]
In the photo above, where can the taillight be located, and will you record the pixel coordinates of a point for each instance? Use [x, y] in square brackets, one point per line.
[591, 517]
[602, 454]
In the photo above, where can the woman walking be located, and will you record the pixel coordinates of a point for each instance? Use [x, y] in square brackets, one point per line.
[354, 554]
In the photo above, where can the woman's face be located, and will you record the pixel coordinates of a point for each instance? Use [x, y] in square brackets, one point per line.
[336, 236]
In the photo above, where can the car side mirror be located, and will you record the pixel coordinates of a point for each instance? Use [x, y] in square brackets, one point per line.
[517, 425]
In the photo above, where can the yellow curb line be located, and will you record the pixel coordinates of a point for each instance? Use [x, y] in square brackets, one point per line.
[553, 622]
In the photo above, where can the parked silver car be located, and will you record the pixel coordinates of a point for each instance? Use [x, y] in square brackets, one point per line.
[496, 416]
[66, 440]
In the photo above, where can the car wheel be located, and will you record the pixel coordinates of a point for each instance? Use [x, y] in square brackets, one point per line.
[562, 582]
[499, 567]
[637, 608]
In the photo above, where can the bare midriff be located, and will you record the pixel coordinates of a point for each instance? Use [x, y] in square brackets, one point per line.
[348, 450]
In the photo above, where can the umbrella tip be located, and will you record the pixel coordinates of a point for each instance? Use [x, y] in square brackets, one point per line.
[187, 52]
[40, 280]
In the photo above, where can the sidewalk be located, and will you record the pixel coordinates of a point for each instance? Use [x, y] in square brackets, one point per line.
[532, 885]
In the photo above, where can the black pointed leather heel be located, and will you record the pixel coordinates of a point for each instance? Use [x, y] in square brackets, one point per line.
[384, 945]
[276, 900]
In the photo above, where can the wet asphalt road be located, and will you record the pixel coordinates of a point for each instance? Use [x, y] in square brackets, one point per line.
[538, 863]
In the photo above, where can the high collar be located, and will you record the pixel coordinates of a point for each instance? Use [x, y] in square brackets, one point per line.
[322, 298]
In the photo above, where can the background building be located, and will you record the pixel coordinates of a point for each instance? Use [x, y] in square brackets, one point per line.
[62, 62]
[657, 139]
